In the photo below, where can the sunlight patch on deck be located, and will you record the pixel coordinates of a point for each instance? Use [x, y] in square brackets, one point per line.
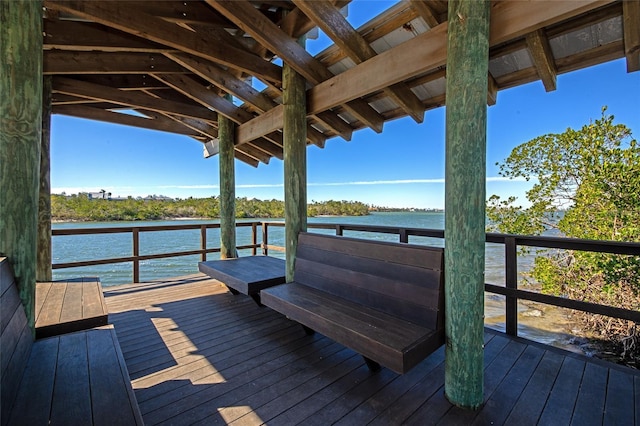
[186, 357]
[231, 415]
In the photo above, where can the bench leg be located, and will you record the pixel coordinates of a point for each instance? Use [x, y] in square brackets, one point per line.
[308, 331]
[256, 298]
[233, 291]
[373, 366]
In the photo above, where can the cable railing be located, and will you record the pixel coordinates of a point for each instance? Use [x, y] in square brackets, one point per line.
[511, 244]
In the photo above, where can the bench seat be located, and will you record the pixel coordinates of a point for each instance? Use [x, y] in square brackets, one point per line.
[77, 378]
[384, 300]
[390, 341]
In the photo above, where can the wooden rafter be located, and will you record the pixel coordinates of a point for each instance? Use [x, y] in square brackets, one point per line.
[90, 113]
[631, 23]
[427, 52]
[200, 94]
[63, 35]
[426, 12]
[236, 87]
[130, 99]
[540, 51]
[329, 19]
[137, 22]
[245, 16]
[76, 63]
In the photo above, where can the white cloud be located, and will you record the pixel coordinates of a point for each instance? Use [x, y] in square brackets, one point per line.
[139, 190]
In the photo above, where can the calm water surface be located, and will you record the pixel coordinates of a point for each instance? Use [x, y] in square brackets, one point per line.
[546, 325]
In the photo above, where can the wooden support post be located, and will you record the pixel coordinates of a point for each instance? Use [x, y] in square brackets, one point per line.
[226, 135]
[466, 118]
[20, 127]
[295, 162]
[43, 266]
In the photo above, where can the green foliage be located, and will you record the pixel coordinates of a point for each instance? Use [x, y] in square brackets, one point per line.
[593, 175]
[81, 208]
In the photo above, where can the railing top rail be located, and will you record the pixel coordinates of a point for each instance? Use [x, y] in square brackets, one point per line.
[145, 228]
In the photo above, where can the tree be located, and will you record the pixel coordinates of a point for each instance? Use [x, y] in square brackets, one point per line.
[593, 176]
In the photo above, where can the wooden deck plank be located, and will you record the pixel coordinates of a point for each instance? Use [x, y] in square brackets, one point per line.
[206, 405]
[33, 400]
[71, 309]
[51, 306]
[278, 375]
[502, 400]
[386, 398]
[71, 403]
[529, 406]
[619, 398]
[107, 381]
[42, 291]
[93, 303]
[563, 396]
[494, 375]
[593, 390]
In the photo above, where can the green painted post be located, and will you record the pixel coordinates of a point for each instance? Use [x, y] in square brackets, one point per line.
[226, 135]
[295, 162]
[465, 192]
[20, 126]
[43, 268]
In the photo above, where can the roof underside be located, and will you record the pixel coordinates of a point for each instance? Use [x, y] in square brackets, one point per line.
[180, 64]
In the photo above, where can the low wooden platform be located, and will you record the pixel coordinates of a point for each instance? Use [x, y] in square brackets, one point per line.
[247, 275]
[68, 306]
[198, 355]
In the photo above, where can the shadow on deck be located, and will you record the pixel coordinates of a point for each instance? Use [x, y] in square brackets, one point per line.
[198, 355]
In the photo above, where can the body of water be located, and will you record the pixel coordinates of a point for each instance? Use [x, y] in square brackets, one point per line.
[547, 325]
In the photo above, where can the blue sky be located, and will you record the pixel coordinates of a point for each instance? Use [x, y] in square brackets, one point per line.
[402, 167]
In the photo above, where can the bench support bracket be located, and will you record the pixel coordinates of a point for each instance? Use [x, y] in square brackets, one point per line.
[371, 364]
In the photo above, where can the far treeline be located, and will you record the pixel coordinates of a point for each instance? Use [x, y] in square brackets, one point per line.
[82, 208]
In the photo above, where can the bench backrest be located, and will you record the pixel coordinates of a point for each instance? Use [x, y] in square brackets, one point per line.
[15, 338]
[403, 280]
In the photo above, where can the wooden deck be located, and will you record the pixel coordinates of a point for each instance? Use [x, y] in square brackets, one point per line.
[67, 306]
[198, 355]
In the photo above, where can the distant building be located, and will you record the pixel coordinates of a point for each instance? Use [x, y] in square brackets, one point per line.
[102, 195]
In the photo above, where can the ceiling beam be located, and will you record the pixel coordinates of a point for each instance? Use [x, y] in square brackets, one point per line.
[427, 52]
[67, 62]
[194, 90]
[131, 99]
[63, 35]
[426, 12]
[209, 99]
[631, 23]
[250, 20]
[542, 56]
[236, 87]
[135, 21]
[509, 20]
[90, 113]
[331, 21]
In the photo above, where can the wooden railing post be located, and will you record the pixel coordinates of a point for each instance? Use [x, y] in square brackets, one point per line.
[339, 229]
[265, 238]
[404, 235]
[203, 242]
[254, 238]
[511, 281]
[136, 253]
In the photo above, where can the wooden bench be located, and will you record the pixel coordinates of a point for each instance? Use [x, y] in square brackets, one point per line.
[77, 378]
[247, 275]
[67, 306]
[383, 300]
